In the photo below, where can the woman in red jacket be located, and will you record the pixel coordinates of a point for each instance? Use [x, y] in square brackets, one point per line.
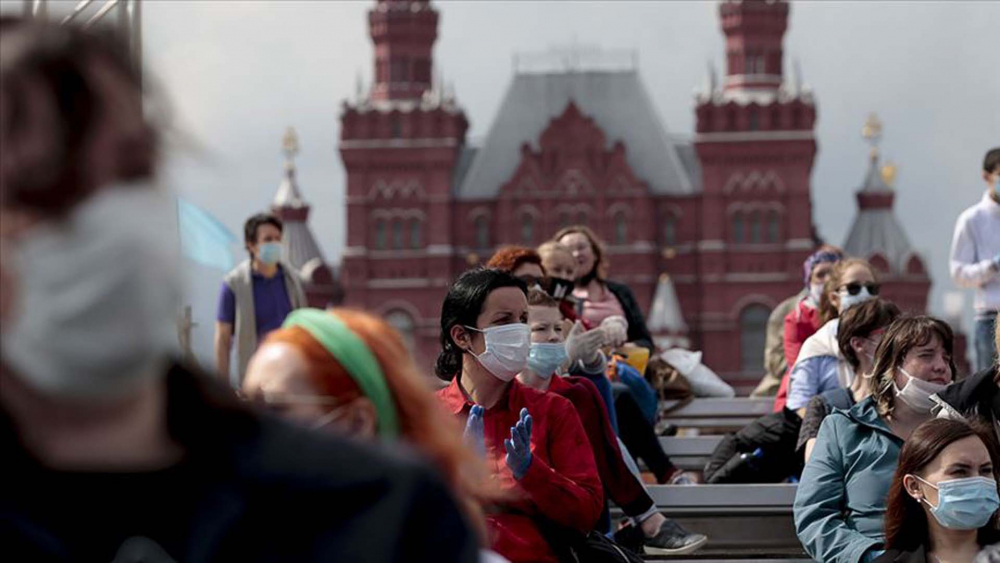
[534, 443]
[804, 320]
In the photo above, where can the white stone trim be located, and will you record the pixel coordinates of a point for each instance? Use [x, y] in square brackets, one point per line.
[398, 283]
[757, 136]
[799, 244]
[711, 244]
[398, 143]
[354, 251]
[440, 250]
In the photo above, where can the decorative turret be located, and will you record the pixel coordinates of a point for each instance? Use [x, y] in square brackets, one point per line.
[666, 320]
[403, 32]
[877, 236]
[298, 244]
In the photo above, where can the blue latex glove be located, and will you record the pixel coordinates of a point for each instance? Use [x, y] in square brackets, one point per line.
[996, 261]
[519, 446]
[474, 431]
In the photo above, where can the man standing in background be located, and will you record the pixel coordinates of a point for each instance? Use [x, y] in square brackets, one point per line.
[975, 258]
[256, 296]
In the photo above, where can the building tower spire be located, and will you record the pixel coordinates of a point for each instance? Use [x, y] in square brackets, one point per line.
[754, 30]
[403, 32]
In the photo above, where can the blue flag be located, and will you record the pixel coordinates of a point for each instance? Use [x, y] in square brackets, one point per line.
[204, 239]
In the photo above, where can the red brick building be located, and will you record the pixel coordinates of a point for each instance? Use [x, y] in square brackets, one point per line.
[728, 215]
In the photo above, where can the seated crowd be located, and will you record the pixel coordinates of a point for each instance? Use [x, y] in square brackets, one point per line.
[115, 451]
[895, 461]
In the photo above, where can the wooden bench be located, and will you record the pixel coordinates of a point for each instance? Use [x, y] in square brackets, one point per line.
[715, 416]
[738, 519]
[690, 454]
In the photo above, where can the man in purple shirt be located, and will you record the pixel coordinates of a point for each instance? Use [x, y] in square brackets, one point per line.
[256, 296]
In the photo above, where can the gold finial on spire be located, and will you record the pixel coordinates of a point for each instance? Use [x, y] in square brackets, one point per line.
[889, 174]
[290, 146]
[872, 132]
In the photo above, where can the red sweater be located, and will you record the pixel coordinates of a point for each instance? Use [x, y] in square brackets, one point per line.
[620, 485]
[801, 323]
[561, 483]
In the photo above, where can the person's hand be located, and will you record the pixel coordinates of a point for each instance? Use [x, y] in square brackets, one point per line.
[615, 329]
[474, 431]
[584, 345]
[519, 446]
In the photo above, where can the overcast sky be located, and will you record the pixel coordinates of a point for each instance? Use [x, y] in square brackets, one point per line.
[237, 73]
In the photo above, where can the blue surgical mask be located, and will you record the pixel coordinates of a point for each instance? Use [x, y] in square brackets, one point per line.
[269, 253]
[544, 358]
[964, 504]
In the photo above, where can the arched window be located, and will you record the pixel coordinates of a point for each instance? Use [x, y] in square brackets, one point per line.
[754, 120]
[482, 227]
[756, 229]
[527, 230]
[773, 227]
[403, 322]
[397, 233]
[753, 332]
[739, 236]
[621, 229]
[416, 240]
[380, 234]
[582, 218]
[564, 219]
[669, 230]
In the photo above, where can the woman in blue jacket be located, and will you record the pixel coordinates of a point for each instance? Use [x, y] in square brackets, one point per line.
[842, 495]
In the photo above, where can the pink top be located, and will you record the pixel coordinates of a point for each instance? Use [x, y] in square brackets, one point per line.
[596, 311]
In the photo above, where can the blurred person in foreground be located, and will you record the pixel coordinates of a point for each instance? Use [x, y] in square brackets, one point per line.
[534, 443]
[975, 258]
[348, 372]
[840, 500]
[647, 528]
[117, 452]
[943, 499]
[255, 296]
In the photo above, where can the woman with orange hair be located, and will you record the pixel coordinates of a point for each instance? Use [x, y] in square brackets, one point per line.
[349, 372]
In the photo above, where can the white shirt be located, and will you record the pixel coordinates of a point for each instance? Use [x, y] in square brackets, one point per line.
[974, 248]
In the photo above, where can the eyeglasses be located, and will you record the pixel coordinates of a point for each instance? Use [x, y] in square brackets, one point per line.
[854, 288]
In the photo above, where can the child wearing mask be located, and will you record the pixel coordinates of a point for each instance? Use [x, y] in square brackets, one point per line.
[546, 360]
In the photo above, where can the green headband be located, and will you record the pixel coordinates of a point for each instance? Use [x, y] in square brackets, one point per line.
[357, 359]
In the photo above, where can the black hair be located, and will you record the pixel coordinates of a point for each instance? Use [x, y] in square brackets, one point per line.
[462, 307]
[253, 224]
[991, 161]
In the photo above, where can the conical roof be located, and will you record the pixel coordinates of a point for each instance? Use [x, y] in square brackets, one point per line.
[665, 317]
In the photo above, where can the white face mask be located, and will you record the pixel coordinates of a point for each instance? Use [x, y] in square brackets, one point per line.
[507, 349]
[917, 392]
[97, 296]
[847, 300]
[815, 293]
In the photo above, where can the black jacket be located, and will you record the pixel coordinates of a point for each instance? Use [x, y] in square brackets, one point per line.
[251, 488]
[637, 331]
[976, 396]
[775, 435]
